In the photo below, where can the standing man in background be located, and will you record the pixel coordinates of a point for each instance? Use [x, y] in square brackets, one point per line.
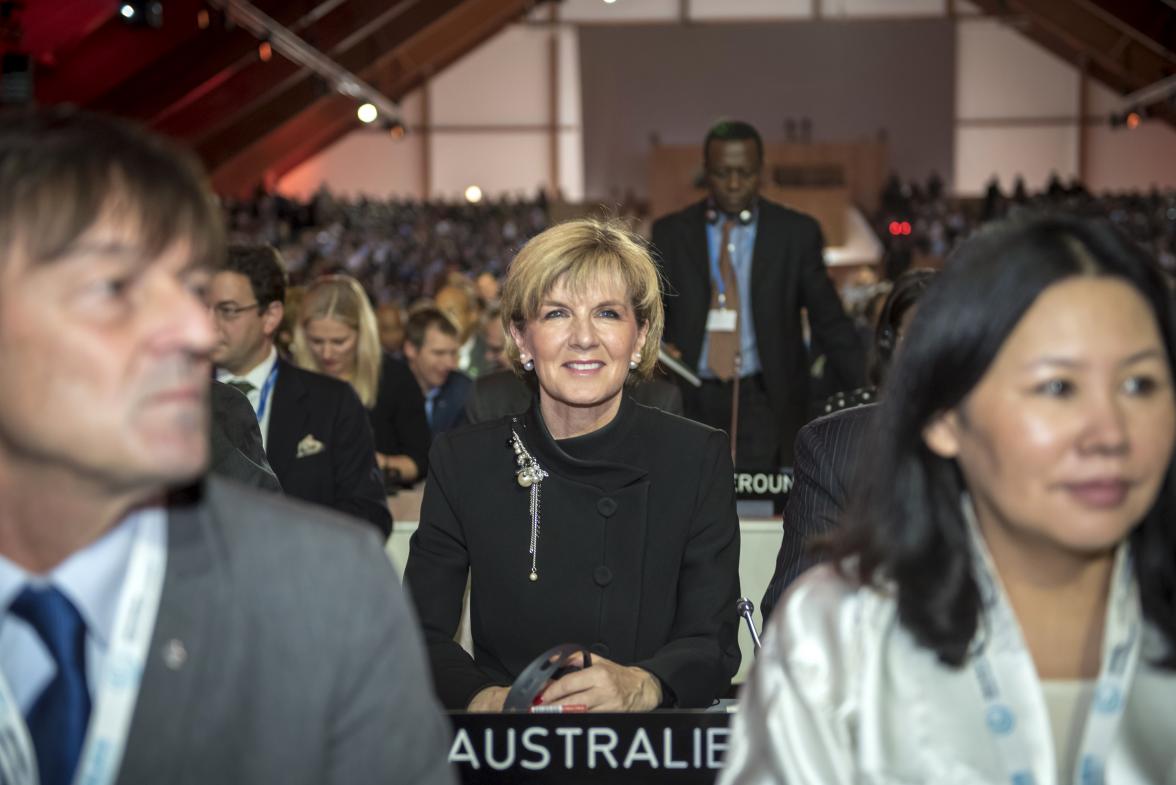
[739, 269]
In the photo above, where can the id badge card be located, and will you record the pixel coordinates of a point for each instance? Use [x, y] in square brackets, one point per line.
[721, 320]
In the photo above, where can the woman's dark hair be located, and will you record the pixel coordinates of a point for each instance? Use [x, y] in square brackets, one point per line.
[907, 290]
[908, 529]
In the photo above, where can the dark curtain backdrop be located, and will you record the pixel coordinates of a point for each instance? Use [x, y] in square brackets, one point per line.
[851, 78]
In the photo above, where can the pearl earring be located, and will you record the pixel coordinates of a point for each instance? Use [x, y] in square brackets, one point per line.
[529, 365]
[634, 362]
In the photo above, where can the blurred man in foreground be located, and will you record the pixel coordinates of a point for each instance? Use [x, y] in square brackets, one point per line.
[156, 625]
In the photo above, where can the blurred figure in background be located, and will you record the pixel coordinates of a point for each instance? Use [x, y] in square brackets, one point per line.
[460, 302]
[314, 429]
[336, 334]
[430, 347]
[832, 449]
[390, 322]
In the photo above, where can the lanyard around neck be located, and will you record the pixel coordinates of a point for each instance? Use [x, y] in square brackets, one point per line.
[118, 685]
[1011, 670]
[266, 387]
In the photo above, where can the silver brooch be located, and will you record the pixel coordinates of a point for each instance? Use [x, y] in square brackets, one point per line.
[529, 474]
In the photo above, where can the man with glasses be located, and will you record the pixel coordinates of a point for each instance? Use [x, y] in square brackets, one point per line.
[315, 431]
[739, 270]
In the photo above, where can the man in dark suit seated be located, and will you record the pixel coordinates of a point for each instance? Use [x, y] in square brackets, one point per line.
[739, 269]
[161, 625]
[828, 449]
[431, 343]
[237, 452]
[315, 430]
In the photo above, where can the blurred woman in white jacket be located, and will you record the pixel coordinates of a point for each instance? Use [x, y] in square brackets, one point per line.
[1003, 609]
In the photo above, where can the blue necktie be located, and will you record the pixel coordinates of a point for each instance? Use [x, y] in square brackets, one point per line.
[430, 403]
[58, 719]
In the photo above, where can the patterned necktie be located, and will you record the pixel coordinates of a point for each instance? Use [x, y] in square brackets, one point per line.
[58, 719]
[723, 350]
[242, 385]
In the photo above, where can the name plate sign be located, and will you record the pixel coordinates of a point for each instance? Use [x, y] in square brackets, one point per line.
[660, 746]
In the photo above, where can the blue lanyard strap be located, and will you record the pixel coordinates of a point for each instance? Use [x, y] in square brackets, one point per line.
[1010, 671]
[265, 391]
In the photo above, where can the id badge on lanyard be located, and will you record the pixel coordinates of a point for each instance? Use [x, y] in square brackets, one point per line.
[721, 320]
[118, 686]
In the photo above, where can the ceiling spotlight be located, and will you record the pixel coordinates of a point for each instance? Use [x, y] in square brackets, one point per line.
[1133, 120]
[473, 194]
[203, 19]
[396, 130]
[148, 13]
[367, 113]
[265, 51]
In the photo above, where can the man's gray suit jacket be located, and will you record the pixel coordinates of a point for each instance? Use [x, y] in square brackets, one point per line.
[283, 652]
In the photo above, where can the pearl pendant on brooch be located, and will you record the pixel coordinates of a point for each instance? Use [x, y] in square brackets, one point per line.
[534, 576]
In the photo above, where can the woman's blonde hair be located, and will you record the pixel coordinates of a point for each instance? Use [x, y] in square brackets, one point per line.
[581, 254]
[340, 297]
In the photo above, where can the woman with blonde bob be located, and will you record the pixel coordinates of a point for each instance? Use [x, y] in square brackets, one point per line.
[336, 334]
[590, 518]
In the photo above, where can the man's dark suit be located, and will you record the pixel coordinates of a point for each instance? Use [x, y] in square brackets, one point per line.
[320, 446]
[236, 440]
[827, 455]
[398, 416]
[787, 274]
[500, 393]
[283, 652]
[449, 405]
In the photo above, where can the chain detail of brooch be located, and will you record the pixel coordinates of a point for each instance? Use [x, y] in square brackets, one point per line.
[529, 474]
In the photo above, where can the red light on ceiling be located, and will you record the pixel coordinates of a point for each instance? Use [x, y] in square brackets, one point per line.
[265, 51]
[202, 19]
[1133, 120]
[895, 228]
[906, 227]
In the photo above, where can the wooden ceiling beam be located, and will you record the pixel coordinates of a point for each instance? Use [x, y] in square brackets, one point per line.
[256, 80]
[302, 91]
[394, 69]
[111, 54]
[200, 65]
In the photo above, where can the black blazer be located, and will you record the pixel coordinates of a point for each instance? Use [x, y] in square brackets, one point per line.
[398, 417]
[502, 392]
[823, 476]
[449, 405]
[787, 274]
[236, 440]
[638, 556]
[311, 409]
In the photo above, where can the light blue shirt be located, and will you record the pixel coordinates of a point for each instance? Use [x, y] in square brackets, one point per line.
[742, 242]
[92, 579]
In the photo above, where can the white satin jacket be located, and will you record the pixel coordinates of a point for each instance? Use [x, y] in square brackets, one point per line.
[841, 693]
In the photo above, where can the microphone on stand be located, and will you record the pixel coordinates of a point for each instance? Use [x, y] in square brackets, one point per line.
[746, 607]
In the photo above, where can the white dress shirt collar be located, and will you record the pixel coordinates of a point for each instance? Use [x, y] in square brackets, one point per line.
[256, 376]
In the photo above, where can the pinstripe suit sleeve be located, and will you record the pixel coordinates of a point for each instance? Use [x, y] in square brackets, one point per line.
[823, 452]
